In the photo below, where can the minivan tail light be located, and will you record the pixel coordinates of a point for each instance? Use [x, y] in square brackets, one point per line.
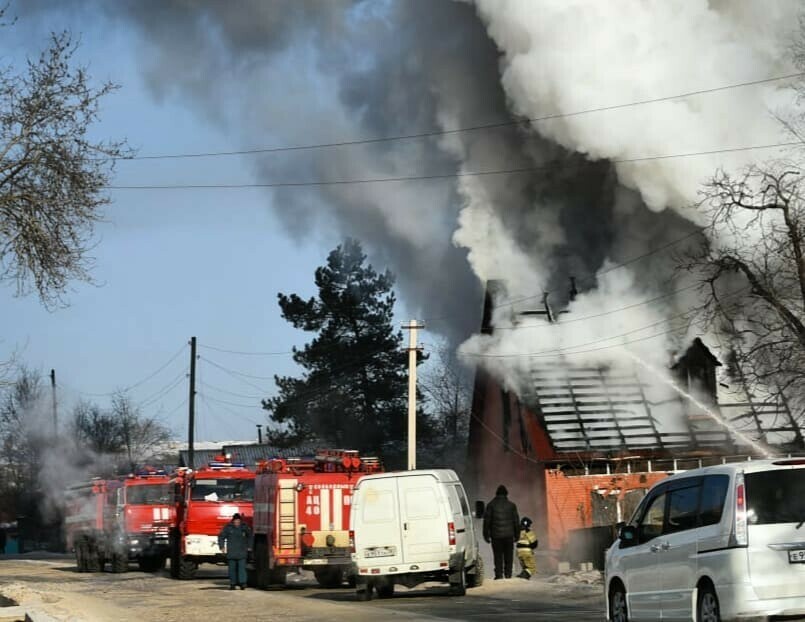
[451, 533]
[351, 541]
[739, 530]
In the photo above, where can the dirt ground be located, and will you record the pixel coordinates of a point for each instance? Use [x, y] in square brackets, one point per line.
[55, 590]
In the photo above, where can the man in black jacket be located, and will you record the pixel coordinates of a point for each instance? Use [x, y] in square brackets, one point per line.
[501, 528]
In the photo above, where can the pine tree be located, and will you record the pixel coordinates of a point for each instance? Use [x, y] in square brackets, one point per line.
[353, 392]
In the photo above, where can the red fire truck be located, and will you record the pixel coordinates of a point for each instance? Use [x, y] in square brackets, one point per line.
[301, 515]
[120, 520]
[207, 500]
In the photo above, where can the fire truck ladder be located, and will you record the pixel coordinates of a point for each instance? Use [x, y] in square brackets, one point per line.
[287, 518]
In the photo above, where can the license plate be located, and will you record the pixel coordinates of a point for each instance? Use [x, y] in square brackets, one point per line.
[796, 556]
[380, 551]
[315, 562]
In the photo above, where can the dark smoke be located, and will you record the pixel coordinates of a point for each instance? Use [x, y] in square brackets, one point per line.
[304, 71]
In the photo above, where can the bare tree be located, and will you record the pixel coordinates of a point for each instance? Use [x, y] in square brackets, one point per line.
[140, 436]
[22, 440]
[52, 174]
[753, 280]
[447, 389]
[95, 429]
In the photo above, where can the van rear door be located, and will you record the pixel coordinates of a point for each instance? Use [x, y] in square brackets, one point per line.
[776, 531]
[424, 516]
[376, 521]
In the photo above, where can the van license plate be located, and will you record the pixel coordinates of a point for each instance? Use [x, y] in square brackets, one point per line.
[796, 556]
[381, 551]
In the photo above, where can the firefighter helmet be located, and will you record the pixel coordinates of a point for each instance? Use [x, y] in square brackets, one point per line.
[526, 522]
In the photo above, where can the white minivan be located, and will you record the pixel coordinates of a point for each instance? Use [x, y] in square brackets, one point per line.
[724, 542]
[410, 527]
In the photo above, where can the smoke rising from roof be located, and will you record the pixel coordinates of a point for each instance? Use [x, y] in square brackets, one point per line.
[302, 71]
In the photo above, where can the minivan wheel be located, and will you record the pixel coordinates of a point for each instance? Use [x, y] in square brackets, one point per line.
[617, 604]
[707, 609]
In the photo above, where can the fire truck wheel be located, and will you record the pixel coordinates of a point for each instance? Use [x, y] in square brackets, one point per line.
[278, 576]
[330, 577]
[476, 579]
[93, 559]
[187, 568]
[120, 563]
[352, 580]
[80, 556]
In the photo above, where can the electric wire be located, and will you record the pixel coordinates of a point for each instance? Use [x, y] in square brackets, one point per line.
[471, 128]
[138, 383]
[158, 395]
[551, 165]
[245, 353]
[241, 395]
[207, 399]
[552, 352]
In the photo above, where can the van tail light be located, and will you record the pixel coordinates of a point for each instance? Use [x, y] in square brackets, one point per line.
[451, 533]
[739, 528]
[351, 541]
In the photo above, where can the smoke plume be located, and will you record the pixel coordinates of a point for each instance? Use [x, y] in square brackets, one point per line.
[296, 72]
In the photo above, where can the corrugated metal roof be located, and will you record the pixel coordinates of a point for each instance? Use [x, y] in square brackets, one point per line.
[585, 409]
[250, 455]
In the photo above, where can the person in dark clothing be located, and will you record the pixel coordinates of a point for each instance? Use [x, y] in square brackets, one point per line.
[2, 541]
[235, 541]
[502, 528]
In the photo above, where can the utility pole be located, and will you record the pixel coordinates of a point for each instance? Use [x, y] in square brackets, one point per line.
[412, 327]
[55, 413]
[259, 433]
[191, 423]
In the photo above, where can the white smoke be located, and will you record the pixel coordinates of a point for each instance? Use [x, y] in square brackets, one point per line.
[560, 57]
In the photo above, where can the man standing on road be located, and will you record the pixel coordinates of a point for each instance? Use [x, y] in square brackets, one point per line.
[235, 540]
[502, 528]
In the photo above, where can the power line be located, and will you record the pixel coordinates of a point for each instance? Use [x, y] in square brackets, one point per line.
[205, 397]
[286, 352]
[154, 397]
[603, 313]
[471, 128]
[553, 352]
[458, 174]
[220, 390]
[136, 384]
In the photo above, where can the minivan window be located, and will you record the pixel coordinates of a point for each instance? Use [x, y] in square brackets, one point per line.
[775, 496]
[462, 499]
[683, 505]
[714, 492]
[651, 524]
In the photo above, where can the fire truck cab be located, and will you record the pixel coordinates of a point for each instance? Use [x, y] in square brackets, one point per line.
[120, 520]
[301, 515]
[207, 499]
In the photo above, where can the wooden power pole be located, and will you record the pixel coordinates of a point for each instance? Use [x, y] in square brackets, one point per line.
[191, 415]
[55, 412]
[412, 328]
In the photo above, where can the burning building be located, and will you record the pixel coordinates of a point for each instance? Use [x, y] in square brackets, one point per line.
[579, 444]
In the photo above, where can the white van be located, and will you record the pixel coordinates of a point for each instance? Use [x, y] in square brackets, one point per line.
[718, 543]
[410, 527]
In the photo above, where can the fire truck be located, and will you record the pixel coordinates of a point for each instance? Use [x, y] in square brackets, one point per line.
[207, 500]
[120, 520]
[301, 515]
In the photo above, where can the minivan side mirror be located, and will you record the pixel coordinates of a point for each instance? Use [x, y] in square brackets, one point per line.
[627, 534]
[479, 509]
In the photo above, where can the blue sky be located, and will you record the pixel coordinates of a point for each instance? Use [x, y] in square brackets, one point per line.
[169, 264]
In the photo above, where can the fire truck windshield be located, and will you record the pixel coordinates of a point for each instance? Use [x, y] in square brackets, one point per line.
[148, 494]
[223, 490]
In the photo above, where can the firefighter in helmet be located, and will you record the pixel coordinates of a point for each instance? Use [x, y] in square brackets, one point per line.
[525, 549]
